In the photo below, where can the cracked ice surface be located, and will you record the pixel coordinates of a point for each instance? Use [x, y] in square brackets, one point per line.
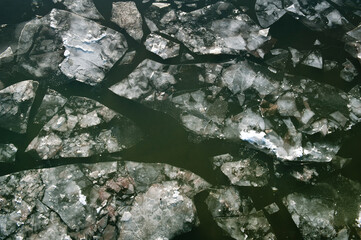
[243, 171]
[51, 104]
[353, 44]
[88, 45]
[325, 211]
[84, 8]
[296, 108]
[236, 214]
[89, 200]
[207, 31]
[278, 131]
[15, 104]
[83, 128]
[161, 46]
[127, 16]
[65, 42]
[317, 15]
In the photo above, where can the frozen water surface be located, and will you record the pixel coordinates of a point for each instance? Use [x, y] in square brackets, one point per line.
[185, 119]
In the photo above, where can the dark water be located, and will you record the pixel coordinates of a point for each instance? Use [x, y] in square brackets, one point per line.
[165, 139]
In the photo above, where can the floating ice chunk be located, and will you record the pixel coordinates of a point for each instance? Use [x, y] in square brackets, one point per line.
[128, 58]
[126, 216]
[127, 16]
[317, 42]
[67, 202]
[7, 55]
[312, 216]
[349, 72]
[81, 129]
[160, 4]
[15, 104]
[207, 31]
[84, 8]
[306, 175]
[47, 147]
[92, 49]
[246, 172]
[219, 160]
[314, 59]
[268, 11]
[272, 208]
[340, 118]
[237, 216]
[334, 18]
[327, 209]
[328, 65]
[7, 153]
[287, 106]
[51, 104]
[159, 213]
[296, 56]
[307, 114]
[200, 126]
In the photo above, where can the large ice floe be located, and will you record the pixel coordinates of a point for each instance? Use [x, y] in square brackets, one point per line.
[63, 42]
[110, 200]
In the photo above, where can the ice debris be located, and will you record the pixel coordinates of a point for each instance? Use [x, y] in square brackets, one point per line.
[15, 104]
[83, 128]
[208, 31]
[317, 15]
[277, 115]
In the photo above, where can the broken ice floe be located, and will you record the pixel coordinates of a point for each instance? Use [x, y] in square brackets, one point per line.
[51, 104]
[15, 104]
[317, 15]
[84, 8]
[207, 31]
[127, 16]
[63, 42]
[161, 46]
[276, 114]
[236, 215]
[242, 171]
[83, 128]
[326, 210]
[99, 200]
[349, 72]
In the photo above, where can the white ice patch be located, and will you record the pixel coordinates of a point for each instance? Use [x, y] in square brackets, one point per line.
[82, 198]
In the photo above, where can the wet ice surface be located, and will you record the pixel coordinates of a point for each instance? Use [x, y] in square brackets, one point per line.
[180, 120]
[94, 200]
